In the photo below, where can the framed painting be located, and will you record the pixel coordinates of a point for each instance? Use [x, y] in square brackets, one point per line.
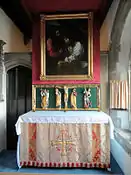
[67, 47]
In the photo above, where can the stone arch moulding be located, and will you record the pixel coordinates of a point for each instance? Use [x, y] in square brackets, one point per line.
[11, 60]
[117, 29]
[124, 53]
[121, 43]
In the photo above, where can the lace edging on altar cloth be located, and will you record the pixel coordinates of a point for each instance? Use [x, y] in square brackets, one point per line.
[75, 117]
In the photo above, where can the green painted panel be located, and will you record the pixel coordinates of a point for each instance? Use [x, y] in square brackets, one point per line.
[80, 97]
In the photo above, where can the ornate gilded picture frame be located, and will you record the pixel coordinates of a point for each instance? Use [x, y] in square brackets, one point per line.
[66, 97]
[67, 47]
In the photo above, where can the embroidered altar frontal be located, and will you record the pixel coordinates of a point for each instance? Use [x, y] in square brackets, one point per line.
[65, 145]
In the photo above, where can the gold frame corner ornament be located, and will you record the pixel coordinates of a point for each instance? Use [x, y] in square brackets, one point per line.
[43, 19]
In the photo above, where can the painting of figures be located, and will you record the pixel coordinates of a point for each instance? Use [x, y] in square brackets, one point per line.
[67, 47]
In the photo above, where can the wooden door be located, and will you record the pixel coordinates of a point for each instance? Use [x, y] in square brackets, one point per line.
[19, 95]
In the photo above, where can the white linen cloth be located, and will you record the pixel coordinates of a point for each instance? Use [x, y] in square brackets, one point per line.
[65, 117]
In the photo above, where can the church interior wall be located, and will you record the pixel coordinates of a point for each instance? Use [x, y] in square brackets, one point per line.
[105, 32]
[119, 55]
[116, 41]
[117, 66]
[16, 36]
[10, 34]
[121, 66]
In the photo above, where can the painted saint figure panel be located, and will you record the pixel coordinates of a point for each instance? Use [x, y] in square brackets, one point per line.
[66, 47]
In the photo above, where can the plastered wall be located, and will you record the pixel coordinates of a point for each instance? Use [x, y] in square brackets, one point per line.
[11, 35]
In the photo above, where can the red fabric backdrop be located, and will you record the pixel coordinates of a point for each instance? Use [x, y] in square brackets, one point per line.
[36, 58]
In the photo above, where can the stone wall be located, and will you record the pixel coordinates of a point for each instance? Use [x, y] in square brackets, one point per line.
[119, 55]
[104, 82]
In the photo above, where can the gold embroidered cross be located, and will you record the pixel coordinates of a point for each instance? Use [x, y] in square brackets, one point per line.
[63, 142]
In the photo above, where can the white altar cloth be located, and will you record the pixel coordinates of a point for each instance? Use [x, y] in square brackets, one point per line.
[65, 117]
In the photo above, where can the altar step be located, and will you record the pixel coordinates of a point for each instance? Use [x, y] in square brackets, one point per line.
[8, 164]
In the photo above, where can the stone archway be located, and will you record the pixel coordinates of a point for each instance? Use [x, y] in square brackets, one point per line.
[18, 100]
[7, 62]
[12, 60]
[119, 55]
[116, 35]
[125, 46]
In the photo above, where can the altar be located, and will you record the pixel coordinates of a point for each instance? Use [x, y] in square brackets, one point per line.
[64, 139]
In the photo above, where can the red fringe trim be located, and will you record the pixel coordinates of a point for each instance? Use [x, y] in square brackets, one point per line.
[64, 164]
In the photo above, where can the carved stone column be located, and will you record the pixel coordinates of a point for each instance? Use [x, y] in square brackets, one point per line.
[2, 70]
